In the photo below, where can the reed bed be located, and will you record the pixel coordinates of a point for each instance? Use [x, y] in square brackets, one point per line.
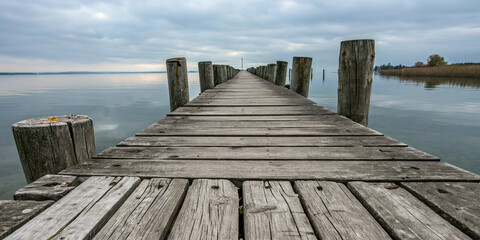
[470, 71]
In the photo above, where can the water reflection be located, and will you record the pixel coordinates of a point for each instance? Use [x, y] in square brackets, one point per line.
[432, 82]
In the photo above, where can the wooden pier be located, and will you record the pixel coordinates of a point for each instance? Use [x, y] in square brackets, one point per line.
[253, 160]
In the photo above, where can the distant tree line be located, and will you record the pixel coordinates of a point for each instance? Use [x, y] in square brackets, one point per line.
[433, 60]
[388, 67]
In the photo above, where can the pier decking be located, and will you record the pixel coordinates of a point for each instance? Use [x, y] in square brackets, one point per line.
[252, 160]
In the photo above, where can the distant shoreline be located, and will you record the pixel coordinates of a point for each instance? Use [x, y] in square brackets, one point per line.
[458, 71]
[73, 72]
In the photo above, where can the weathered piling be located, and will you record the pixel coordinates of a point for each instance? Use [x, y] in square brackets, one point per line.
[323, 74]
[205, 70]
[223, 73]
[271, 71]
[281, 73]
[355, 76]
[301, 68]
[48, 145]
[177, 82]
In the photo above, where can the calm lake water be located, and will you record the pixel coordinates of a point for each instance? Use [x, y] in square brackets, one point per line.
[438, 116]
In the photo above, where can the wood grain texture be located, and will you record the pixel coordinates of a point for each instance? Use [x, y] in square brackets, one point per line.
[355, 77]
[266, 141]
[48, 187]
[458, 202]
[247, 111]
[205, 72]
[335, 213]
[281, 74]
[301, 71]
[13, 214]
[177, 77]
[272, 210]
[401, 214]
[149, 211]
[210, 211]
[267, 153]
[278, 170]
[81, 213]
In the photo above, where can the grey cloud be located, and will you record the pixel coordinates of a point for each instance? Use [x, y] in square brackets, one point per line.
[93, 32]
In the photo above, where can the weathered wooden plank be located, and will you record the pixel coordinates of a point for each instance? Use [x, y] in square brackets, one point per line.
[247, 103]
[273, 153]
[290, 118]
[210, 211]
[278, 170]
[274, 110]
[170, 122]
[149, 211]
[261, 131]
[48, 187]
[272, 210]
[458, 202]
[260, 121]
[13, 214]
[82, 212]
[267, 141]
[335, 213]
[401, 214]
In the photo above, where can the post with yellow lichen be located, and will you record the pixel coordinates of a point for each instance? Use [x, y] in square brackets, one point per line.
[301, 70]
[355, 76]
[177, 82]
[50, 144]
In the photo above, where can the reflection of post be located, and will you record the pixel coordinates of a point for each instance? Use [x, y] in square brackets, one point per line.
[301, 68]
[205, 70]
[177, 82]
[355, 76]
[323, 74]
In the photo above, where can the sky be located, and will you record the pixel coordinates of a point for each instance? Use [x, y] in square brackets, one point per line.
[86, 35]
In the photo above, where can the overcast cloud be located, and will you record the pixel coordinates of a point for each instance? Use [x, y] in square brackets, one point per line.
[40, 35]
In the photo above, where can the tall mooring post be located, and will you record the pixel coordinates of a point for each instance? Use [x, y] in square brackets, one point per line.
[281, 73]
[48, 145]
[355, 77]
[301, 69]
[271, 71]
[177, 82]
[205, 71]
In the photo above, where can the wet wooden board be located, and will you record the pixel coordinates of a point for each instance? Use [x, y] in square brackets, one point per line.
[335, 213]
[272, 210]
[401, 214]
[82, 212]
[458, 202]
[210, 211]
[48, 187]
[247, 111]
[266, 141]
[277, 170]
[149, 211]
[268, 153]
[290, 118]
[13, 214]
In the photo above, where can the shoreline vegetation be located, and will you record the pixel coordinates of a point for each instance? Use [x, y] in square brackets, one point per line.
[458, 71]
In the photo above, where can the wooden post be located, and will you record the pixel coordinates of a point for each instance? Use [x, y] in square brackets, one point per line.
[271, 71]
[177, 82]
[205, 70]
[50, 144]
[281, 75]
[264, 72]
[216, 76]
[300, 82]
[355, 76]
[323, 74]
[223, 73]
